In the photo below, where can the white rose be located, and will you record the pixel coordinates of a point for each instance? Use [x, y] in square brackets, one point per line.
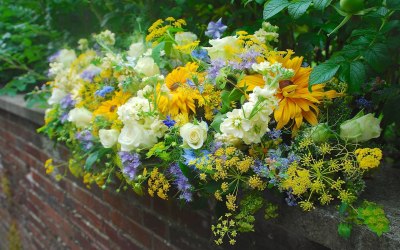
[56, 96]
[108, 137]
[147, 66]
[136, 49]
[135, 136]
[66, 56]
[224, 48]
[184, 38]
[194, 135]
[80, 116]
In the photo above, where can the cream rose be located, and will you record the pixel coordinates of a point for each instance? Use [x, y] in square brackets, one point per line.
[56, 96]
[136, 49]
[108, 137]
[80, 116]
[184, 38]
[147, 66]
[224, 48]
[360, 128]
[134, 136]
[194, 135]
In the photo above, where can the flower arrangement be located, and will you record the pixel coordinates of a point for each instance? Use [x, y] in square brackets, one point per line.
[229, 121]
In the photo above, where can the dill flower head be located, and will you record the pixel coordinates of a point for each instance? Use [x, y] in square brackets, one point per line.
[297, 103]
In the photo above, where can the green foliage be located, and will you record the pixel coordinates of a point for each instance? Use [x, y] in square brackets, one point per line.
[373, 216]
[270, 211]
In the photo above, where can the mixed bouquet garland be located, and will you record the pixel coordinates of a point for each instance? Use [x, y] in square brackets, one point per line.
[229, 121]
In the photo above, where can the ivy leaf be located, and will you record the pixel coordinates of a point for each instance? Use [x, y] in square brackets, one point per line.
[344, 230]
[357, 76]
[298, 8]
[321, 4]
[91, 160]
[273, 7]
[323, 72]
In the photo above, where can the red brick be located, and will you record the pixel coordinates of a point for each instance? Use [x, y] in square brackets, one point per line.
[162, 244]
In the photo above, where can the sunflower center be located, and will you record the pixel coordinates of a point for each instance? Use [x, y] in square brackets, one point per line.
[112, 108]
[285, 83]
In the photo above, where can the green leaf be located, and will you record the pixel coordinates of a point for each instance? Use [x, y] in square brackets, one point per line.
[344, 230]
[377, 57]
[323, 72]
[393, 4]
[357, 76]
[298, 8]
[373, 216]
[273, 7]
[342, 208]
[321, 4]
[218, 119]
[91, 160]
[156, 52]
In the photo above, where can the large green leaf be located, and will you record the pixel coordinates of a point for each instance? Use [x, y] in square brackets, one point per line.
[393, 4]
[321, 4]
[356, 76]
[323, 72]
[377, 56]
[298, 7]
[273, 7]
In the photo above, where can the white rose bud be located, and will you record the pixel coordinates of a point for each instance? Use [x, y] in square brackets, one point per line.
[147, 66]
[80, 116]
[194, 135]
[108, 137]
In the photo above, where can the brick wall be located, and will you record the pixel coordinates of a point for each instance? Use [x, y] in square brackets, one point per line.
[37, 212]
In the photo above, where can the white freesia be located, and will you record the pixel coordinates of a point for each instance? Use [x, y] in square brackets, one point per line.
[184, 38]
[147, 90]
[136, 49]
[193, 135]
[134, 136]
[108, 137]
[66, 57]
[147, 66]
[81, 117]
[56, 96]
[235, 124]
[158, 128]
[224, 48]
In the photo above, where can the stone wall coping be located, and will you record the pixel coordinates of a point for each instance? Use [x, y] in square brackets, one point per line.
[17, 105]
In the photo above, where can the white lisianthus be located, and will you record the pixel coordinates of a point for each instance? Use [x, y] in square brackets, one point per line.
[56, 96]
[193, 135]
[108, 137]
[134, 136]
[224, 48]
[228, 140]
[265, 93]
[136, 49]
[81, 117]
[184, 38]
[262, 67]
[147, 66]
[132, 109]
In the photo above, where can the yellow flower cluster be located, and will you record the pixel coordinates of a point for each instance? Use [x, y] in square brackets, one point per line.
[249, 40]
[158, 184]
[368, 157]
[158, 29]
[48, 165]
[89, 178]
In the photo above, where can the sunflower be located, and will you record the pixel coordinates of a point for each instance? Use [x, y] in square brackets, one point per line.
[108, 109]
[181, 95]
[296, 101]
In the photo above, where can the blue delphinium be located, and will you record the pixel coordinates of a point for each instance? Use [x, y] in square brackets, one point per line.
[130, 163]
[201, 54]
[275, 134]
[169, 122]
[104, 91]
[248, 58]
[260, 169]
[181, 182]
[189, 156]
[363, 103]
[215, 29]
[290, 199]
[54, 56]
[66, 104]
[85, 137]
